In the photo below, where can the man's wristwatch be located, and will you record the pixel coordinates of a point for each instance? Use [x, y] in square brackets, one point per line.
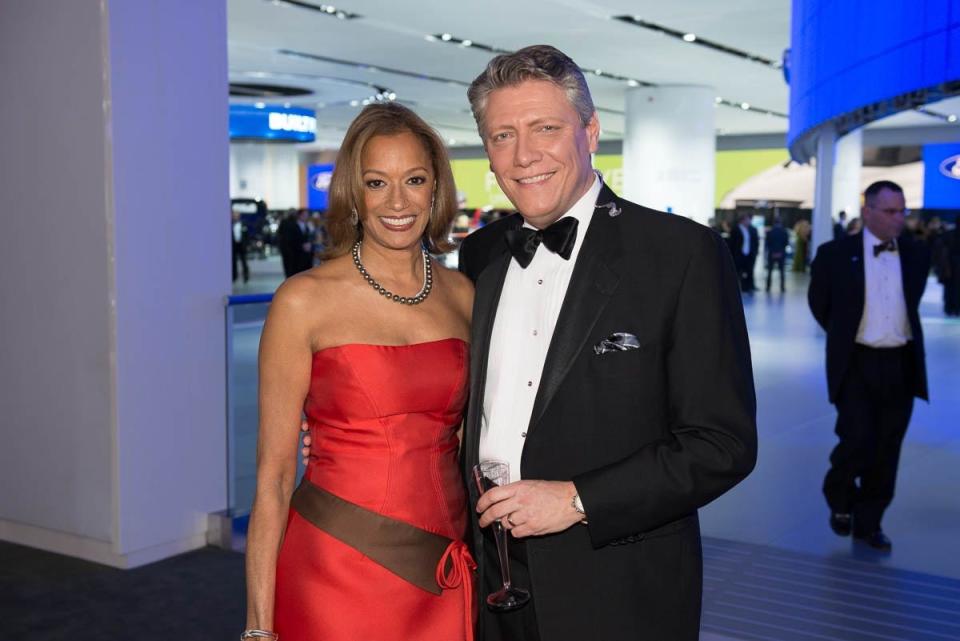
[577, 504]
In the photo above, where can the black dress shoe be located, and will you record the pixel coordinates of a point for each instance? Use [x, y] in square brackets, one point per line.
[840, 523]
[878, 541]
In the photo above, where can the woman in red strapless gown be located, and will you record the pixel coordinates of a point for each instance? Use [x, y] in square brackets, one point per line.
[370, 546]
[383, 424]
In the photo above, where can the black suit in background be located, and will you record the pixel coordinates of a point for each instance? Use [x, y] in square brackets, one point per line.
[775, 247]
[291, 239]
[872, 389]
[745, 263]
[648, 435]
[239, 251]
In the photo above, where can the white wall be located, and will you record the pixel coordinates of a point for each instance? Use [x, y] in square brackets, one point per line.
[112, 350]
[669, 149]
[270, 171]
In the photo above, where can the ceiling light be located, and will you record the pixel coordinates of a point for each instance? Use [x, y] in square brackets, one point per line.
[392, 96]
[445, 37]
[430, 37]
[467, 43]
[354, 103]
[341, 15]
[744, 105]
[689, 37]
[366, 101]
[599, 72]
[259, 105]
[330, 9]
[952, 118]
[632, 82]
[718, 100]
[452, 141]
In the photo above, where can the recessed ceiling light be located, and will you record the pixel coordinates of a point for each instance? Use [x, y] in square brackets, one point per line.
[689, 37]
[392, 96]
[354, 103]
[632, 82]
[744, 105]
[718, 100]
[452, 141]
[445, 37]
[330, 9]
[467, 43]
[952, 118]
[599, 72]
[259, 105]
[430, 37]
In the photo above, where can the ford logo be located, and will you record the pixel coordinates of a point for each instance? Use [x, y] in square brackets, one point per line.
[951, 167]
[321, 181]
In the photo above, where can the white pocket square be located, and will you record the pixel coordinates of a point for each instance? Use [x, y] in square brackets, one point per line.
[617, 342]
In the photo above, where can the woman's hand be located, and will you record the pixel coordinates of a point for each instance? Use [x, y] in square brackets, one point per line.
[307, 441]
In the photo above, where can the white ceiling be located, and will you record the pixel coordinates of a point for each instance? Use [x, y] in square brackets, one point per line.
[392, 34]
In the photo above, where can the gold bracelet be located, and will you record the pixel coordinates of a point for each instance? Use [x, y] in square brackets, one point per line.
[259, 634]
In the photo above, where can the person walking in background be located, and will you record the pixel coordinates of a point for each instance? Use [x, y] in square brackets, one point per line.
[840, 227]
[238, 232]
[744, 245]
[949, 270]
[801, 245]
[865, 292]
[775, 247]
[295, 243]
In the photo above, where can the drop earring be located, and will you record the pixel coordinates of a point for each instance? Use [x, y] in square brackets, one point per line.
[354, 218]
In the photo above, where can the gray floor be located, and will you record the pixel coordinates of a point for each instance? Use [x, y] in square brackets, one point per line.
[780, 504]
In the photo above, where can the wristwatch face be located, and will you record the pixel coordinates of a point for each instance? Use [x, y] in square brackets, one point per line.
[578, 504]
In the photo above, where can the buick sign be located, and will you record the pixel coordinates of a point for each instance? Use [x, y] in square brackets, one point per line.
[951, 167]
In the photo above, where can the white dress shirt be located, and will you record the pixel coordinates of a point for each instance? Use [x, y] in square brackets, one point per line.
[529, 305]
[884, 322]
[745, 230]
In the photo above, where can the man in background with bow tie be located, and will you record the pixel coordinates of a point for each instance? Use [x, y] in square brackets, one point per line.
[609, 367]
[865, 292]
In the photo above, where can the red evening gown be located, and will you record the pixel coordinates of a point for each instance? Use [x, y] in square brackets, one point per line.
[383, 421]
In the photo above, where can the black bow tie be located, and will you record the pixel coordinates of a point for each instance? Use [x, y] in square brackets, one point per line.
[559, 238]
[888, 246]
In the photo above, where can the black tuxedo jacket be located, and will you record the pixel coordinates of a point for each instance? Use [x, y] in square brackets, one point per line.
[647, 435]
[836, 296]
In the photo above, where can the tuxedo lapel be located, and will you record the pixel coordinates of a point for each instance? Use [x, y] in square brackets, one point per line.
[594, 279]
[855, 259]
[485, 302]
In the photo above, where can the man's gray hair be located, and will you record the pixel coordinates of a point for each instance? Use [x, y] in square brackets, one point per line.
[538, 62]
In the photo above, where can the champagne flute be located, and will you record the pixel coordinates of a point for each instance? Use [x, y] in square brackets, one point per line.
[488, 474]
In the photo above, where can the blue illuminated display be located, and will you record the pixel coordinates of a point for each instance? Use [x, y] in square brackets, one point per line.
[273, 122]
[848, 55]
[318, 186]
[941, 176]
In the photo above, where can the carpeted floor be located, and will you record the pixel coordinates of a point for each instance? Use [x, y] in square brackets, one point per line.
[197, 596]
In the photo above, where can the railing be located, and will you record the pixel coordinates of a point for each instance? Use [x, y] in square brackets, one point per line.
[244, 322]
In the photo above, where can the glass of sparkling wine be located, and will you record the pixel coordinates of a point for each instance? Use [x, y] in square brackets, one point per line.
[488, 474]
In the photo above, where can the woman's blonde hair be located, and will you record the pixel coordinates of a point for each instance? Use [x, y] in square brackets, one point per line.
[346, 184]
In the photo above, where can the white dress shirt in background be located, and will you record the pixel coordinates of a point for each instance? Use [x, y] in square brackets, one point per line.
[884, 322]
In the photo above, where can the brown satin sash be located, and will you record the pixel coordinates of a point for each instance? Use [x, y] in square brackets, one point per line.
[409, 552]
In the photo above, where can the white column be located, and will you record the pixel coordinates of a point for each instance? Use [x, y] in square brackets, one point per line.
[669, 149]
[112, 351]
[848, 157]
[823, 189]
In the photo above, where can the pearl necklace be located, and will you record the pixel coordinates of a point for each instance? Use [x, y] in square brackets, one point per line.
[404, 300]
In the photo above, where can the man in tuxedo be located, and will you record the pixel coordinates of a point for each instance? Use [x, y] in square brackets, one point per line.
[865, 292]
[609, 367]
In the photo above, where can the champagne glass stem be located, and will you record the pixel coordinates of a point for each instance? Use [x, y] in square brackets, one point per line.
[501, 538]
